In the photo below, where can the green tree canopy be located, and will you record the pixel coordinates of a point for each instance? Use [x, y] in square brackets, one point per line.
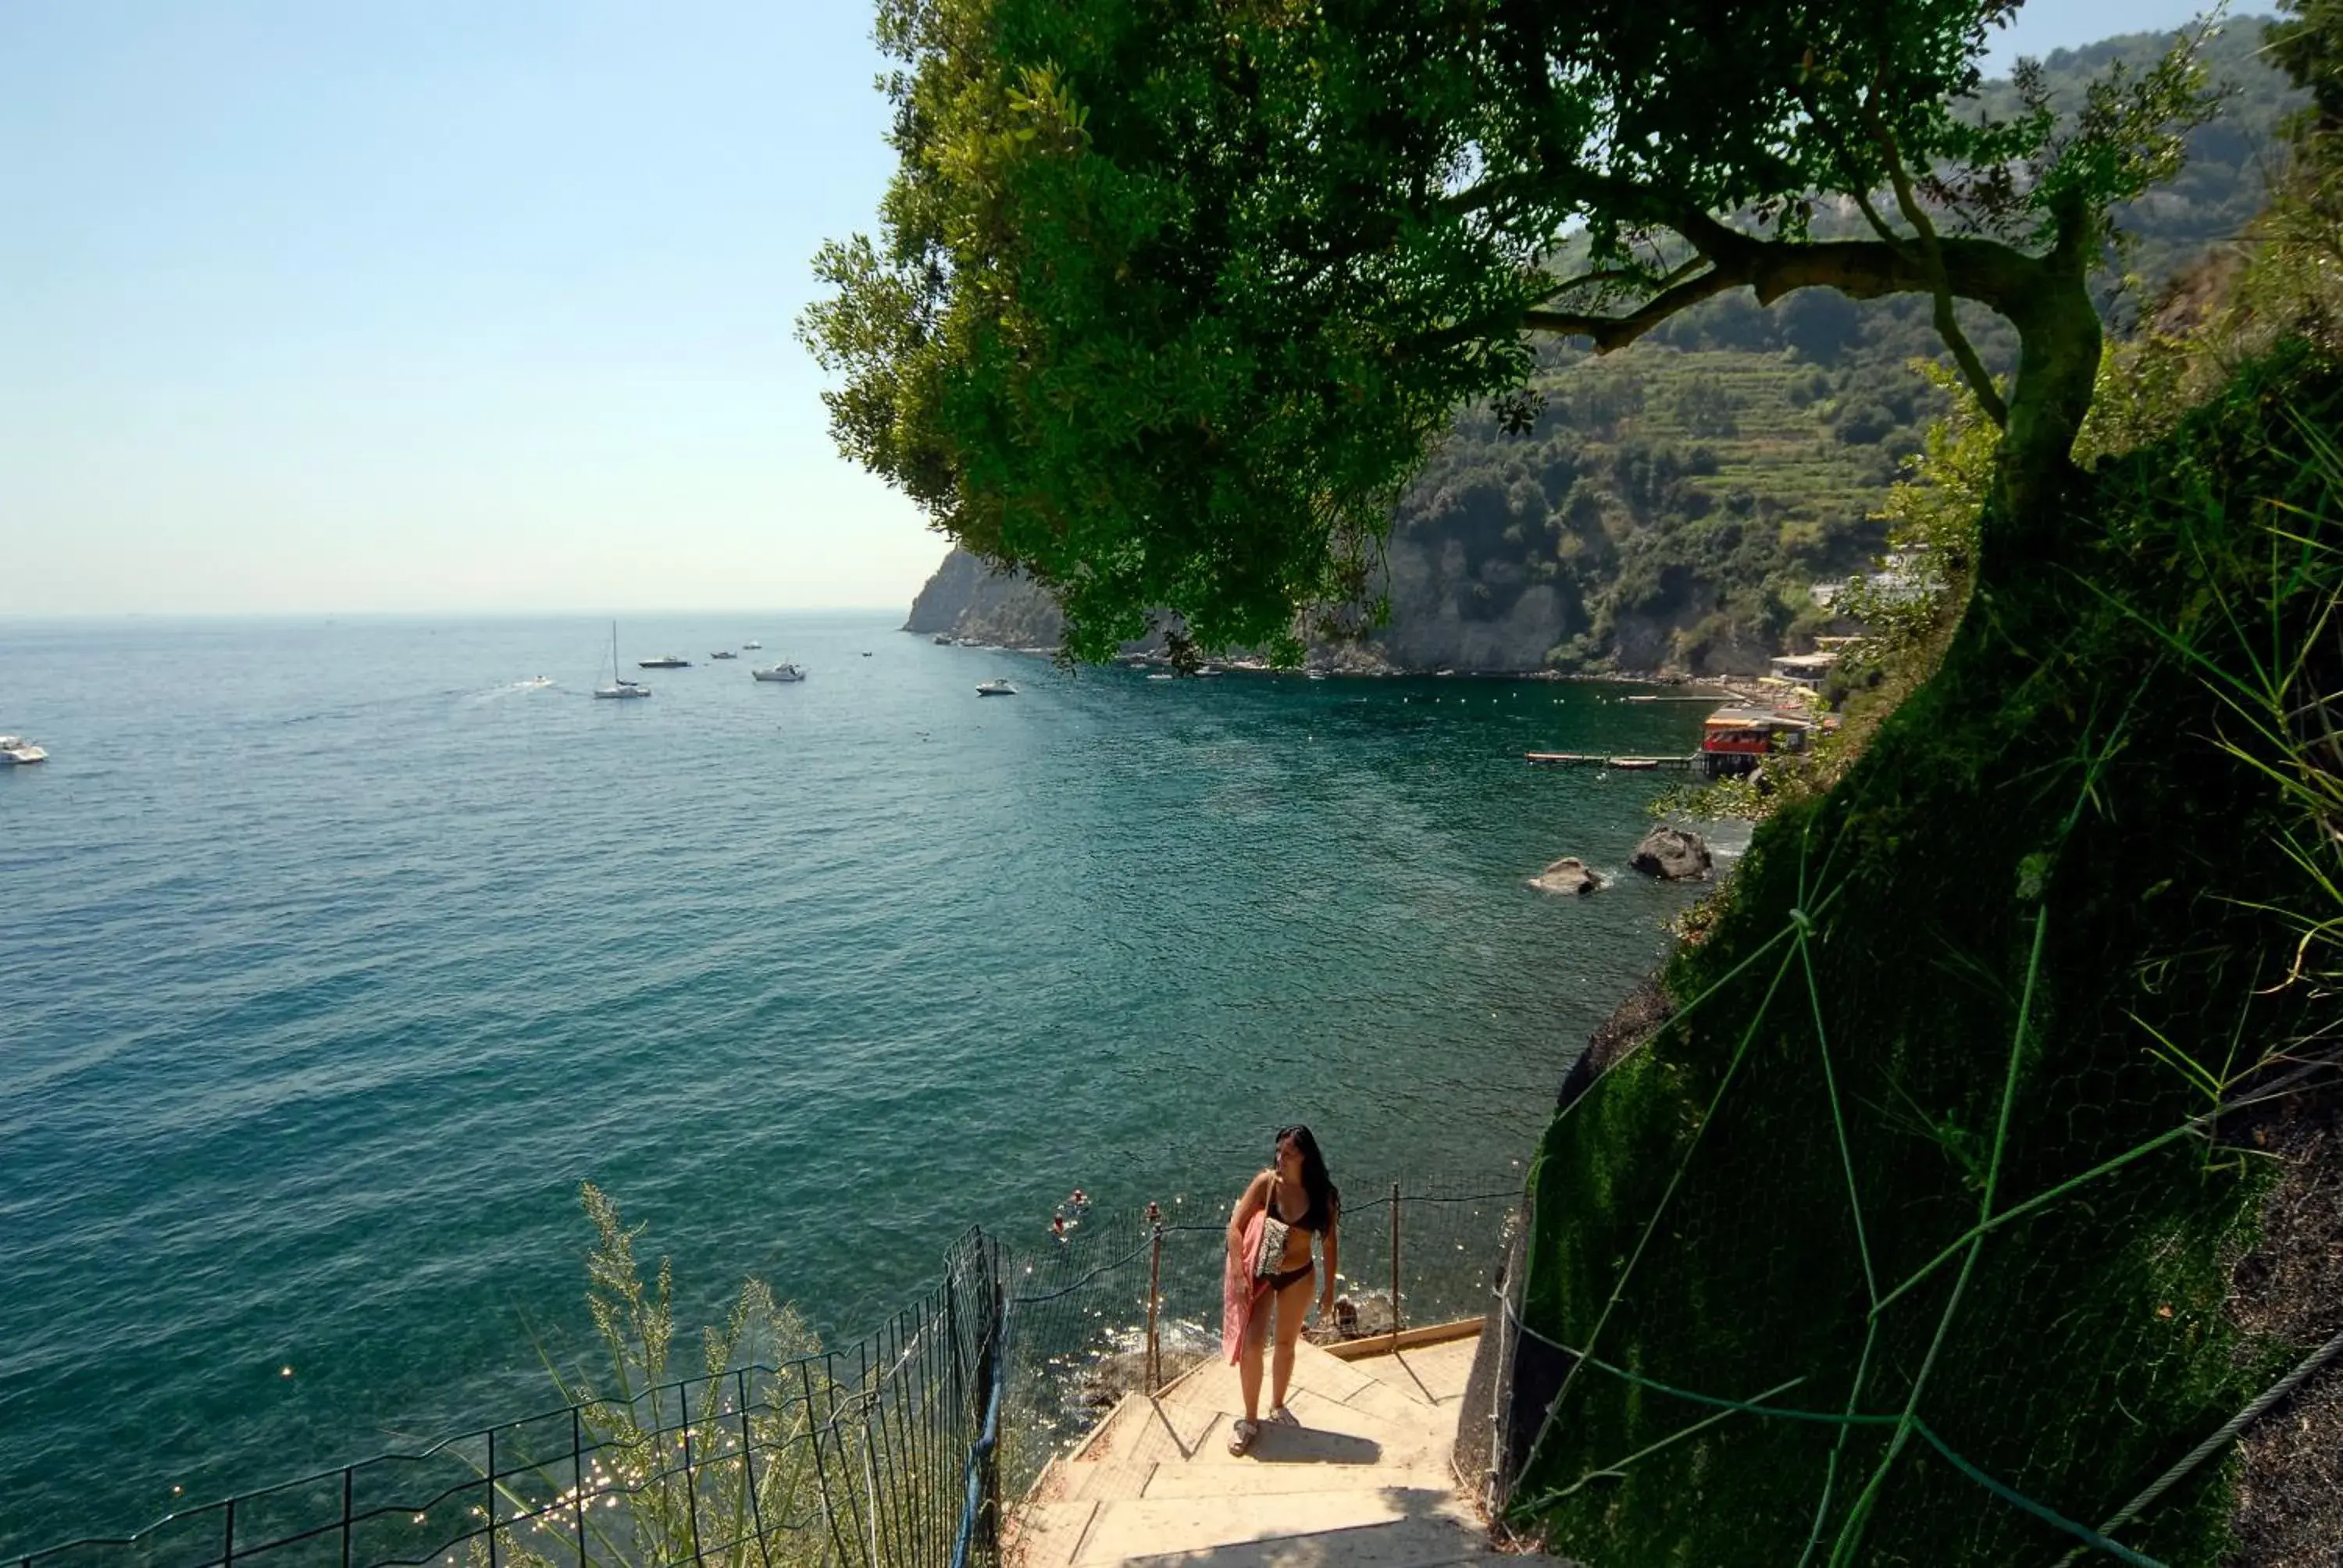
[1172, 294]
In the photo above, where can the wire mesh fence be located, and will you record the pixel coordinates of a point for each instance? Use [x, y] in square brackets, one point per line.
[1421, 1251]
[880, 1452]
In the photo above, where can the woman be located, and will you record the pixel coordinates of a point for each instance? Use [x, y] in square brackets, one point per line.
[1296, 1191]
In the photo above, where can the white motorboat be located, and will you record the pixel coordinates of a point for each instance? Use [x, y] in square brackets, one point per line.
[995, 688]
[752, 645]
[15, 752]
[781, 671]
[727, 654]
[664, 661]
[619, 686]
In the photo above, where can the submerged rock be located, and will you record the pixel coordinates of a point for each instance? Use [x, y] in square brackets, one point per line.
[1673, 855]
[1567, 875]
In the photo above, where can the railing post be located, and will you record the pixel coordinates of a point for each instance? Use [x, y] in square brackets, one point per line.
[347, 1471]
[988, 1529]
[227, 1541]
[748, 1467]
[492, 1497]
[1154, 1298]
[1394, 1255]
[690, 1482]
[578, 1478]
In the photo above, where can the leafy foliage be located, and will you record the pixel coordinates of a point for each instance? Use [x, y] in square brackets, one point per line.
[1174, 297]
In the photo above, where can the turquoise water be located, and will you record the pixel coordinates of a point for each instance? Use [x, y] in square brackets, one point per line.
[334, 958]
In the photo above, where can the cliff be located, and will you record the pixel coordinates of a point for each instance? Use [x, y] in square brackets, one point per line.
[966, 598]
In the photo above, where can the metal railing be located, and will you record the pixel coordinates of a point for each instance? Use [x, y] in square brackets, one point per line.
[873, 1456]
[894, 1451]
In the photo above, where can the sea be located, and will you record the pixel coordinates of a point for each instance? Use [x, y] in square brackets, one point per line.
[336, 954]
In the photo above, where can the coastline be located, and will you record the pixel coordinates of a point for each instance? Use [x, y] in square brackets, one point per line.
[1362, 664]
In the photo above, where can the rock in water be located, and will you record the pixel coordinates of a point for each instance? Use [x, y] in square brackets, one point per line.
[1673, 855]
[1567, 875]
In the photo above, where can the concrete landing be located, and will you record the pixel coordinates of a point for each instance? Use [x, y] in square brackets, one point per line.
[1363, 1482]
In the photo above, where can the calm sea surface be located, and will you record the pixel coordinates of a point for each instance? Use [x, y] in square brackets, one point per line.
[333, 957]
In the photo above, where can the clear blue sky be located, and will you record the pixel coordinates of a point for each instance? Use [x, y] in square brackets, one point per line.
[345, 306]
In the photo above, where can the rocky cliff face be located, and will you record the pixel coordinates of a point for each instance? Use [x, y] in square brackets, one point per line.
[966, 598]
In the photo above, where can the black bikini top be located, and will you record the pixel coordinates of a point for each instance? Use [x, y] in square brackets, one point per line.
[1303, 1223]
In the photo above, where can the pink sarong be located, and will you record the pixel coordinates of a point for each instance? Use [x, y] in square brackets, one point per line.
[1241, 1294]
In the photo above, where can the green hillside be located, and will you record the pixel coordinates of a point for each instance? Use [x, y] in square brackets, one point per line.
[1678, 499]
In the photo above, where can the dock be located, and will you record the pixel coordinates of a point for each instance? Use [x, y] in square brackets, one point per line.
[1626, 764]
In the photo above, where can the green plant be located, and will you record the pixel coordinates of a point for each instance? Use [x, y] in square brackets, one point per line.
[674, 1457]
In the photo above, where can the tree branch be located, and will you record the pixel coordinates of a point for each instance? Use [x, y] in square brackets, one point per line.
[1615, 331]
[1948, 325]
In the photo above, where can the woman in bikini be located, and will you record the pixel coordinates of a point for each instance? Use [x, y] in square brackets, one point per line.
[1296, 1190]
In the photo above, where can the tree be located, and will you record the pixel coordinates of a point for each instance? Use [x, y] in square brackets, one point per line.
[1170, 296]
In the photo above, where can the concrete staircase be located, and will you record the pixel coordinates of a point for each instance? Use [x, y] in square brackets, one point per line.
[1364, 1480]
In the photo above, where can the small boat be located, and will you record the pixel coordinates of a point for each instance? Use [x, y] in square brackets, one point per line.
[619, 686]
[725, 654]
[664, 661]
[942, 640]
[995, 688]
[782, 671]
[752, 645]
[15, 752]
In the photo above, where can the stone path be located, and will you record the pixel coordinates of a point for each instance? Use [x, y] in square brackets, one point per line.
[1365, 1479]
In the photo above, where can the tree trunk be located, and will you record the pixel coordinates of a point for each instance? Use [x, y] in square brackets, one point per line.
[2059, 340]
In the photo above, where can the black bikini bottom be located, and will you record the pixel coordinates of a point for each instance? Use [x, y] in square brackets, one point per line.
[1279, 1280]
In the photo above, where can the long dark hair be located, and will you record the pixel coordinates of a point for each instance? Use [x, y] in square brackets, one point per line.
[1325, 1198]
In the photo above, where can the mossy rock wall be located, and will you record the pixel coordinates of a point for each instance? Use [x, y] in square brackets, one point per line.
[1954, 973]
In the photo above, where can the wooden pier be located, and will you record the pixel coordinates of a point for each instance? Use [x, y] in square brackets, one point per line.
[1624, 764]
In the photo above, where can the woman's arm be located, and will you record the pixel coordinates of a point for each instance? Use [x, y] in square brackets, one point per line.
[1333, 1262]
[1251, 1201]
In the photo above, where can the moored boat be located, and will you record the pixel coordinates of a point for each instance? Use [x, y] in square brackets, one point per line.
[619, 686]
[15, 752]
[995, 688]
[781, 671]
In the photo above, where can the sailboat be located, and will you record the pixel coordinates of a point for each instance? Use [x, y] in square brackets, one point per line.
[619, 686]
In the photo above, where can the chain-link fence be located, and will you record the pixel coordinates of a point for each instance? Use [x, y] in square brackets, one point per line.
[881, 1452]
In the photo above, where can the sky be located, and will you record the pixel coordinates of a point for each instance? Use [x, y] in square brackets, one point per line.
[452, 305]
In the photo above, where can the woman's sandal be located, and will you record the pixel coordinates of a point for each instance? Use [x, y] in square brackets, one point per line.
[1282, 1416]
[1241, 1438]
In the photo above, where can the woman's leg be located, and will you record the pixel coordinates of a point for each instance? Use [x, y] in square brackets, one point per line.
[1292, 1306]
[1249, 1357]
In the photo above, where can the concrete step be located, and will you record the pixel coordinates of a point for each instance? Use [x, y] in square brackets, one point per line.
[1077, 1480]
[1046, 1534]
[1153, 1527]
[1144, 1430]
[1284, 1480]
[1435, 1374]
